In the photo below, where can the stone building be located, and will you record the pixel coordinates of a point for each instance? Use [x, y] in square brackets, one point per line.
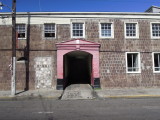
[104, 49]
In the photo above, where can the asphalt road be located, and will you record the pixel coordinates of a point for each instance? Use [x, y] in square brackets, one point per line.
[108, 109]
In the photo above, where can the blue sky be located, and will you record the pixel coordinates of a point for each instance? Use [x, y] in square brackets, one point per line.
[81, 5]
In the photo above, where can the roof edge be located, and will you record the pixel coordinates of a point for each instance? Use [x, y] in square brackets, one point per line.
[80, 13]
[150, 8]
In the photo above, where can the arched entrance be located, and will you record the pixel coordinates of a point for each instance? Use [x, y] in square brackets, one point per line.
[77, 58]
[77, 66]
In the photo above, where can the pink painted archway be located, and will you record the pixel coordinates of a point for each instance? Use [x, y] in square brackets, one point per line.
[78, 45]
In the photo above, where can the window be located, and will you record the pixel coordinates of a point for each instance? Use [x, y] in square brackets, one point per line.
[106, 30]
[78, 30]
[49, 30]
[21, 30]
[133, 62]
[131, 30]
[155, 30]
[156, 62]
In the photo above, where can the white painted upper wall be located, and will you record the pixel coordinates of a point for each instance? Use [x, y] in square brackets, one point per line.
[65, 17]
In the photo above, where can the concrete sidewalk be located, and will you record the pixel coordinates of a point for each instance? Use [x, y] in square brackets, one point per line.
[128, 92]
[31, 94]
[100, 93]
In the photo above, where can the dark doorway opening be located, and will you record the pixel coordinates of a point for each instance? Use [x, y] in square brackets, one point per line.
[77, 68]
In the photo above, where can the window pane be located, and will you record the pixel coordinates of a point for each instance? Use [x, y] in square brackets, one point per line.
[157, 61]
[21, 35]
[77, 29]
[49, 30]
[132, 62]
[49, 34]
[135, 60]
[21, 30]
[157, 69]
[131, 29]
[106, 29]
[156, 29]
[129, 60]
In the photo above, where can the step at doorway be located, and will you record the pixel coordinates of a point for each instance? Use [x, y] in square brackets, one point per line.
[78, 91]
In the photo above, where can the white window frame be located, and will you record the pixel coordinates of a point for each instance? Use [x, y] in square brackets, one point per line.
[153, 37]
[112, 30]
[44, 31]
[137, 30]
[25, 30]
[139, 63]
[83, 30]
[154, 63]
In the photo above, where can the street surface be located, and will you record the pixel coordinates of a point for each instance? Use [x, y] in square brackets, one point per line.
[108, 109]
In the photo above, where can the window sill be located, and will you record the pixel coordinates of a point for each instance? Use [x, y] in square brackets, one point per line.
[156, 71]
[22, 38]
[131, 37]
[138, 72]
[77, 37]
[155, 38]
[106, 37]
[49, 38]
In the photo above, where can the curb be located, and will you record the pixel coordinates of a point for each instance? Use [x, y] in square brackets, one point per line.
[6, 97]
[11, 98]
[133, 96]
[27, 98]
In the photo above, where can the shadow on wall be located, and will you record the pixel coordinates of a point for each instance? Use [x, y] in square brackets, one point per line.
[27, 53]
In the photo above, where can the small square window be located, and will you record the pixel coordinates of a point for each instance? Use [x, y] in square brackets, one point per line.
[133, 62]
[106, 30]
[21, 31]
[77, 30]
[156, 62]
[49, 30]
[131, 30]
[155, 30]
